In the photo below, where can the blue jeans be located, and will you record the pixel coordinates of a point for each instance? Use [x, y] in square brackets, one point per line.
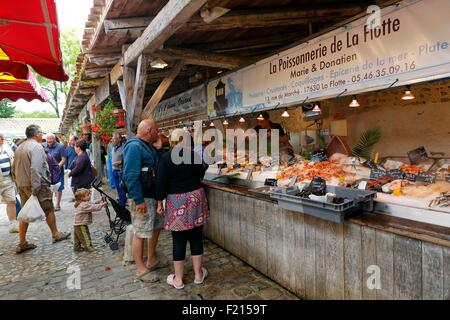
[117, 175]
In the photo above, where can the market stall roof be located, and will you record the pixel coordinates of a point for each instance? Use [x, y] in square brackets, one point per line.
[29, 34]
[17, 82]
[15, 127]
[206, 45]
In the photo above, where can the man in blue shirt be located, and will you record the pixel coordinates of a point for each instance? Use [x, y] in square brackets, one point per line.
[70, 151]
[58, 152]
[140, 155]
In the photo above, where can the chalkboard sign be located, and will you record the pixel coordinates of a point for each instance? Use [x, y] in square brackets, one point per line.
[376, 173]
[418, 155]
[410, 177]
[319, 155]
[370, 164]
[270, 182]
[395, 174]
[426, 177]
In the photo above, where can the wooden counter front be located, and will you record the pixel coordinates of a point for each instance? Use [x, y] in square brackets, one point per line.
[317, 259]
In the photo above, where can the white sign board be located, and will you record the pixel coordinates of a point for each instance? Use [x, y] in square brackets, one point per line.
[409, 43]
[186, 102]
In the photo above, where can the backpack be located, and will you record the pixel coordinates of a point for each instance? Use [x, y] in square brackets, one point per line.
[55, 170]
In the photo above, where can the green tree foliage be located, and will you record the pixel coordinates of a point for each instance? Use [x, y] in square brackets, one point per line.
[57, 91]
[35, 114]
[6, 109]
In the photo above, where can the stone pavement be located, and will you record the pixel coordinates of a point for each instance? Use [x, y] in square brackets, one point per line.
[43, 273]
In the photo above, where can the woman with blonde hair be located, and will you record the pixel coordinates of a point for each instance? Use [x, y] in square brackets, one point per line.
[178, 181]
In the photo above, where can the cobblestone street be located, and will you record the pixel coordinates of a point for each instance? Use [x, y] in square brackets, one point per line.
[42, 273]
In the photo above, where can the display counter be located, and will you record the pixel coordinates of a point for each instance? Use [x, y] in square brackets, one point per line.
[318, 259]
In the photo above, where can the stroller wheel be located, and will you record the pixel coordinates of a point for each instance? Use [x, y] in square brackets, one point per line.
[114, 246]
[107, 238]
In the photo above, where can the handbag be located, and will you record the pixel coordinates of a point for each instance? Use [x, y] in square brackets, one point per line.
[148, 182]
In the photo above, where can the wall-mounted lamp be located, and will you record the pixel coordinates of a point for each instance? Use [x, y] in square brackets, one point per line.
[316, 108]
[408, 95]
[354, 103]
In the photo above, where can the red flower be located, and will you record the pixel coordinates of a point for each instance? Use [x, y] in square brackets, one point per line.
[121, 123]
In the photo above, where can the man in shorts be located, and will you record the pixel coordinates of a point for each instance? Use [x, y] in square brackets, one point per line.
[32, 176]
[7, 192]
[138, 154]
[58, 152]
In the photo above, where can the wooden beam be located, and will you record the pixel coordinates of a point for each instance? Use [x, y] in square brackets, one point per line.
[253, 43]
[122, 94]
[116, 72]
[103, 59]
[201, 58]
[245, 19]
[161, 90]
[129, 76]
[169, 19]
[105, 10]
[139, 89]
[98, 72]
[102, 92]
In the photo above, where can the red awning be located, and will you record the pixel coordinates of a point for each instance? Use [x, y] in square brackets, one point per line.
[17, 82]
[29, 34]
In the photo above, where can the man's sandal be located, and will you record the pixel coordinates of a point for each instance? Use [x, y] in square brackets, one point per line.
[26, 247]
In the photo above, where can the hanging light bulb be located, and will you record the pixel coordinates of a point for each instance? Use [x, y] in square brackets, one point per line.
[408, 95]
[354, 103]
[225, 122]
[241, 119]
[260, 117]
[211, 124]
[316, 108]
[285, 114]
[204, 124]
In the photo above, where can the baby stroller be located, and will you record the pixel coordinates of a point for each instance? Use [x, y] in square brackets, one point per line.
[118, 223]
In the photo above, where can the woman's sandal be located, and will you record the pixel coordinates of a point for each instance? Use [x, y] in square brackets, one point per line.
[147, 277]
[205, 274]
[170, 282]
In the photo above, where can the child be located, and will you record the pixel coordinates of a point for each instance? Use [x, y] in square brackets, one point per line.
[83, 217]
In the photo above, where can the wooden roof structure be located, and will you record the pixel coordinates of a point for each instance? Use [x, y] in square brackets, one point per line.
[123, 37]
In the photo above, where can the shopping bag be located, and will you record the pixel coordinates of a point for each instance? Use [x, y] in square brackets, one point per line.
[55, 187]
[31, 211]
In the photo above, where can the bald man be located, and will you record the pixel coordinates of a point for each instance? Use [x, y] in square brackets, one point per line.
[58, 152]
[140, 159]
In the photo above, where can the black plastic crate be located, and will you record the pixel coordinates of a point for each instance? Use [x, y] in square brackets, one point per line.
[356, 200]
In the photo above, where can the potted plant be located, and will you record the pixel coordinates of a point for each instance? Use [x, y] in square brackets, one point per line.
[105, 123]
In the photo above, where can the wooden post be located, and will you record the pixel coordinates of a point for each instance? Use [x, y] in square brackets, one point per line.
[96, 154]
[139, 89]
[161, 90]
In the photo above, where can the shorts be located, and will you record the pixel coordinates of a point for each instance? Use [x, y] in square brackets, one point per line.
[144, 224]
[7, 192]
[61, 188]
[45, 198]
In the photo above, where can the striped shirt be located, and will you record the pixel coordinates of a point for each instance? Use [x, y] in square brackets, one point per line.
[5, 163]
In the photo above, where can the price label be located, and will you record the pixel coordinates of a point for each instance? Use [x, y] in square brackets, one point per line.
[377, 173]
[395, 174]
[270, 182]
[418, 155]
[320, 155]
[426, 177]
[410, 177]
[370, 164]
